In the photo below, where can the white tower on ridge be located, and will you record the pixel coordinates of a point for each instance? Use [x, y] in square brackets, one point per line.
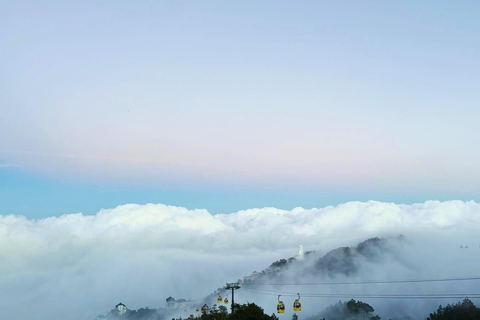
[121, 309]
[300, 252]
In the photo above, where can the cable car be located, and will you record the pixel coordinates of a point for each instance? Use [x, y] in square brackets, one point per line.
[297, 305]
[226, 300]
[197, 310]
[280, 306]
[219, 299]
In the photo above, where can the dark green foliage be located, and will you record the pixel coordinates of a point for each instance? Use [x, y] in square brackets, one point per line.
[358, 307]
[349, 310]
[464, 310]
[214, 309]
[279, 263]
[222, 309]
[248, 311]
[365, 246]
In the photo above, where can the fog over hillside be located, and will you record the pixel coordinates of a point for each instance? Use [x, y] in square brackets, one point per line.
[77, 267]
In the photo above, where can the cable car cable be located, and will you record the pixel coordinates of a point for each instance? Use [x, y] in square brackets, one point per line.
[380, 296]
[363, 294]
[363, 282]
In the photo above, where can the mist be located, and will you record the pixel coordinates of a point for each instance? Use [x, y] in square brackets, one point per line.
[77, 266]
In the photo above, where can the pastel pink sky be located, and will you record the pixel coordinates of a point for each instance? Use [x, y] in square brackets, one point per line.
[257, 95]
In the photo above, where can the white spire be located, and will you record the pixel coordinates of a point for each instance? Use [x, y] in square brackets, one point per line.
[300, 252]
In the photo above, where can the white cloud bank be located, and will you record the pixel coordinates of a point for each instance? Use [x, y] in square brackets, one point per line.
[76, 266]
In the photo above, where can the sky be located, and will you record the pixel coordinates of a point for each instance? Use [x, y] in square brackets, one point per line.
[228, 106]
[156, 148]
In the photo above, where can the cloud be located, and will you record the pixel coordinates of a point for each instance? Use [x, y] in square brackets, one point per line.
[77, 266]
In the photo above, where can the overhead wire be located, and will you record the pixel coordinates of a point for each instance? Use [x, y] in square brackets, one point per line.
[373, 296]
[250, 288]
[364, 282]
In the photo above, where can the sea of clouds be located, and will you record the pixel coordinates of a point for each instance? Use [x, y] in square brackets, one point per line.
[79, 266]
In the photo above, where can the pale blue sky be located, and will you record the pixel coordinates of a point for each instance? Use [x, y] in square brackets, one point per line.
[229, 105]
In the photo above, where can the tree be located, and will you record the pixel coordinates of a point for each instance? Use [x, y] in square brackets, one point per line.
[222, 309]
[358, 307]
[349, 310]
[249, 311]
[464, 310]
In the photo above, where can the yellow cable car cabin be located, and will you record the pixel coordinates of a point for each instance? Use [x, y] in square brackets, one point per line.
[297, 305]
[219, 299]
[280, 306]
[197, 310]
[225, 301]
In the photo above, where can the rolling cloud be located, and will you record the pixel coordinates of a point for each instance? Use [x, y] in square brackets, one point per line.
[77, 266]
